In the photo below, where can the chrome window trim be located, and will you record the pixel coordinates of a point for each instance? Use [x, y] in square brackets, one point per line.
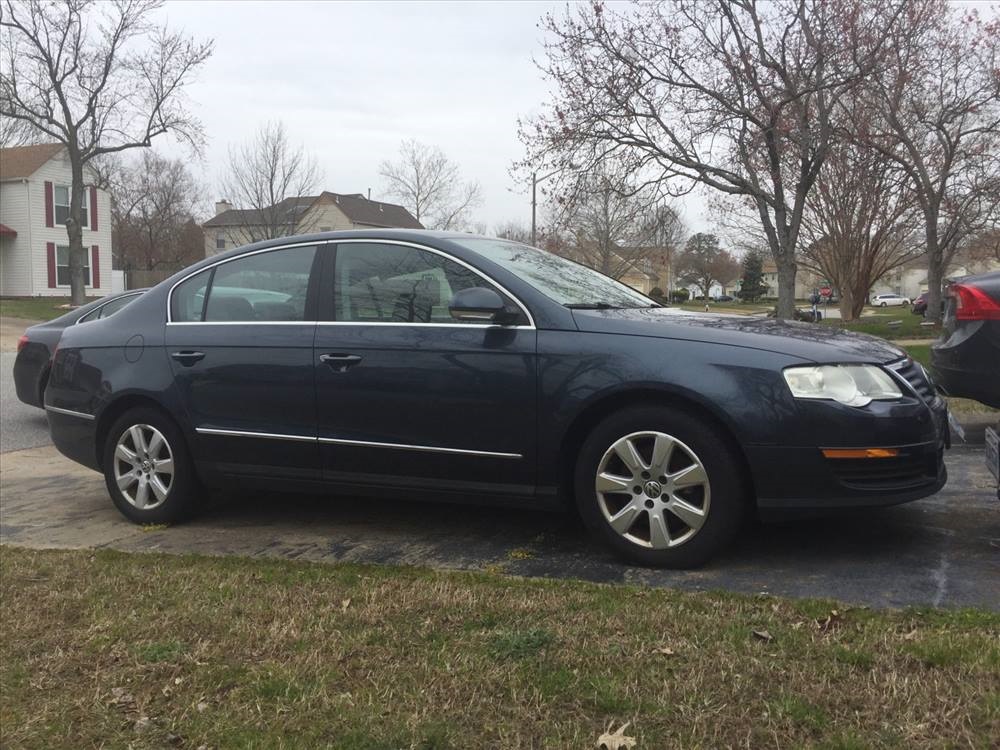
[69, 412]
[84, 318]
[362, 443]
[317, 243]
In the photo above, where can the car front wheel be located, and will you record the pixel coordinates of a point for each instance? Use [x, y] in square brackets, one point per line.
[660, 487]
[147, 469]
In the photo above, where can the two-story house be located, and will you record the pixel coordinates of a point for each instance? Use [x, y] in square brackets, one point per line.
[327, 212]
[34, 203]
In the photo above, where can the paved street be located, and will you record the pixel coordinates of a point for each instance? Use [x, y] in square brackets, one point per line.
[944, 550]
[21, 426]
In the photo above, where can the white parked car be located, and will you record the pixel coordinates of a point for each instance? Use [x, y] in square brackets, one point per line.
[887, 300]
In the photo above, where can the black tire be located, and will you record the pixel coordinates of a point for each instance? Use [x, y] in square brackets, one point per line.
[183, 489]
[728, 490]
[883, 304]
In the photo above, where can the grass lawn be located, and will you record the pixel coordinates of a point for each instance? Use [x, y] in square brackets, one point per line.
[878, 324]
[738, 308]
[34, 308]
[117, 650]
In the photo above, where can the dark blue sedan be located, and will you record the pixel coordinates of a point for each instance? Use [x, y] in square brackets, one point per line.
[440, 366]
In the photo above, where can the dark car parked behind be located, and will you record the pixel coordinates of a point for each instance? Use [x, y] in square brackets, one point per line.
[966, 359]
[36, 346]
[444, 366]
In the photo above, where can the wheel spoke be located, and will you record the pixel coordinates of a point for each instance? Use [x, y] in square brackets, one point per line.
[663, 450]
[622, 520]
[659, 536]
[691, 476]
[610, 483]
[142, 493]
[124, 454]
[692, 516]
[138, 439]
[164, 466]
[626, 451]
[155, 443]
[159, 489]
[126, 480]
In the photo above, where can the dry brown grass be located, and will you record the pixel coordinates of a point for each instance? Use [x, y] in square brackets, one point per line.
[117, 650]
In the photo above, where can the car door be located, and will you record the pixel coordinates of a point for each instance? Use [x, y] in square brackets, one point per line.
[240, 341]
[408, 397]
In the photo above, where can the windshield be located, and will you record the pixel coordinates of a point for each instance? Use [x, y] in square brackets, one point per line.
[562, 280]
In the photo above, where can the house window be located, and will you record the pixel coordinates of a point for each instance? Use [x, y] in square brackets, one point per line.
[62, 266]
[220, 240]
[62, 206]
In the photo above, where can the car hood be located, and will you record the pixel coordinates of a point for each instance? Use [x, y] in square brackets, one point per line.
[809, 341]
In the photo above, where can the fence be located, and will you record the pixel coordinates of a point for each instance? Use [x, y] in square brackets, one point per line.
[138, 279]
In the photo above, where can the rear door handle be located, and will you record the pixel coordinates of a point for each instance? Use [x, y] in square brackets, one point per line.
[188, 358]
[339, 362]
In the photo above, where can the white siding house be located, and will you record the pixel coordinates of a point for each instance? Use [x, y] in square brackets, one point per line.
[34, 187]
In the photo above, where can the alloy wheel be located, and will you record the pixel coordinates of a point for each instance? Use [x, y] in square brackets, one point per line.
[144, 466]
[653, 490]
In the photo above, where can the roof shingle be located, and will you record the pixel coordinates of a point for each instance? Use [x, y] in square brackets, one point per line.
[23, 161]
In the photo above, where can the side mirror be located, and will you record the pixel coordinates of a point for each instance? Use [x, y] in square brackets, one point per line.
[477, 304]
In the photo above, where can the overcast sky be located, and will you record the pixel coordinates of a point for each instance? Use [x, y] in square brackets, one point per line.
[351, 80]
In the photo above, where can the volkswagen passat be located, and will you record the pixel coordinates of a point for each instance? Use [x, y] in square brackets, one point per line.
[444, 366]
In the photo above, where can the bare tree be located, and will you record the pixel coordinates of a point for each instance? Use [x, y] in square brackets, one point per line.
[733, 94]
[154, 204]
[272, 181]
[430, 186]
[861, 221]
[937, 101]
[14, 132]
[98, 78]
[513, 230]
[613, 224]
[704, 263]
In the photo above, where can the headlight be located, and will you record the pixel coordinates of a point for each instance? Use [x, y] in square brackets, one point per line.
[854, 385]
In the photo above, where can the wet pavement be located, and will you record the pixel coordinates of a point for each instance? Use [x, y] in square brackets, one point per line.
[944, 550]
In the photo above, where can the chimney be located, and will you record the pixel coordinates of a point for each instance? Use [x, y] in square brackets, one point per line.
[221, 206]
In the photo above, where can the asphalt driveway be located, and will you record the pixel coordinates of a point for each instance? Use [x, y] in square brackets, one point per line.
[944, 550]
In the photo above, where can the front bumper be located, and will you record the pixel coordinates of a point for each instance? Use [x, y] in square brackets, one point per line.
[794, 477]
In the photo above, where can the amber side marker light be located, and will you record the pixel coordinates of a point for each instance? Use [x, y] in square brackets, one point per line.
[860, 452]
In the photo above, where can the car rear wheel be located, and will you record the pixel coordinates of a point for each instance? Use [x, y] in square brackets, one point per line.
[660, 487]
[147, 469]
[883, 304]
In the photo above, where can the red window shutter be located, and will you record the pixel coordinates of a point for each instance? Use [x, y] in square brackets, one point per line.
[50, 251]
[93, 209]
[50, 220]
[95, 266]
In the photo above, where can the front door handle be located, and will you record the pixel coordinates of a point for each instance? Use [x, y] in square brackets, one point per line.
[339, 362]
[188, 358]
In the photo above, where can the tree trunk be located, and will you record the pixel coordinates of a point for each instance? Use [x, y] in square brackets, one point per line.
[786, 286]
[847, 303]
[75, 232]
[935, 273]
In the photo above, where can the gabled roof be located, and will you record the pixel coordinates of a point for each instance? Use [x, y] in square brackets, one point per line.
[20, 162]
[252, 217]
[355, 206]
[360, 210]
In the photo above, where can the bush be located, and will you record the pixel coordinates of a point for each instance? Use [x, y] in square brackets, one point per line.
[680, 295]
[657, 294]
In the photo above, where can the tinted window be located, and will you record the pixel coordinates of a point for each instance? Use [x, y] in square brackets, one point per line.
[397, 284]
[115, 305]
[188, 299]
[562, 280]
[265, 287]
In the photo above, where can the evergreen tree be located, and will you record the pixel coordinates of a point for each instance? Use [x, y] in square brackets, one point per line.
[752, 282]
